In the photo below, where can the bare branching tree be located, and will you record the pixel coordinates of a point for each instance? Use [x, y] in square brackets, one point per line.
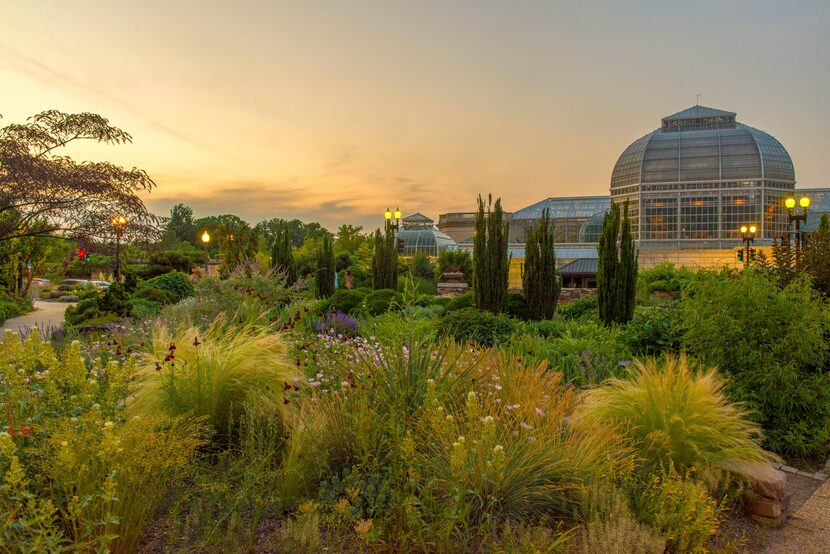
[44, 193]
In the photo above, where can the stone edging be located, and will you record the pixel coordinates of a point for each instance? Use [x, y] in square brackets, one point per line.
[818, 476]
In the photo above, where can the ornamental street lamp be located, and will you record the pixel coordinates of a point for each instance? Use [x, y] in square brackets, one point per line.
[748, 234]
[205, 241]
[118, 223]
[804, 203]
[396, 214]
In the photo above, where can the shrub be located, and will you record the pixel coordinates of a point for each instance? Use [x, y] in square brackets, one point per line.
[380, 301]
[477, 326]
[517, 306]
[143, 309]
[154, 294]
[115, 301]
[586, 352]
[582, 307]
[421, 266]
[432, 300]
[76, 476]
[344, 300]
[10, 307]
[773, 344]
[212, 374]
[654, 330]
[460, 302]
[678, 419]
[681, 510]
[664, 277]
[175, 282]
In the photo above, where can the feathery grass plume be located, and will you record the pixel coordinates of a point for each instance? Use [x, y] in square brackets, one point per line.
[678, 417]
[620, 535]
[213, 374]
[512, 451]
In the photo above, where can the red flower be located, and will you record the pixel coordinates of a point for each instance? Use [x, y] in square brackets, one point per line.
[26, 431]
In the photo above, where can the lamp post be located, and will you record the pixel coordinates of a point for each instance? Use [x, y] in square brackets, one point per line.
[792, 216]
[205, 241]
[396, 214]
[118, 223]
[748, 234]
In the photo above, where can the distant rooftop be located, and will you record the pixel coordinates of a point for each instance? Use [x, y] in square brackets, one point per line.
[698, 118]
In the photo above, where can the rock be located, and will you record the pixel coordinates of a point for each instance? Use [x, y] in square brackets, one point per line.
[771, 484]
[766, 507]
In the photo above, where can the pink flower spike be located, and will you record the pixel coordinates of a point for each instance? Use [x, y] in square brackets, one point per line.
[540, 412]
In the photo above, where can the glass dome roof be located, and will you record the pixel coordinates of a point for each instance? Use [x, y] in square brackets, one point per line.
[702, 144]
[428, 240]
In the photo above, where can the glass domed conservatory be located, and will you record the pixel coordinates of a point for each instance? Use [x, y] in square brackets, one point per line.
[418, 234]
[701, 176]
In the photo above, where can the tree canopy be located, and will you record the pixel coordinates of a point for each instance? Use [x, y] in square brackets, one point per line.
[43, 191]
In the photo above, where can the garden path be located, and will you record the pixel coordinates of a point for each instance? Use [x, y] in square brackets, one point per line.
[808, 530]
[47, 317]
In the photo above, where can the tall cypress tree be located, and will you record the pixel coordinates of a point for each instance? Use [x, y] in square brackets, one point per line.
[324, 278]
[491, 265]
[616, 268]
[385, 259]
[608, 264]
[627, 271]
[540, 283]
[282, 258]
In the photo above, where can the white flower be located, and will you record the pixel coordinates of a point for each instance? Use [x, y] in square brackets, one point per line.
[487, 420]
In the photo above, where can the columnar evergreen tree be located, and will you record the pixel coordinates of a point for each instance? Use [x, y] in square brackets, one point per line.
[540, 283]
[616, 268]
[324, 279]
[491, 265]
[282, 258]
[385, 259]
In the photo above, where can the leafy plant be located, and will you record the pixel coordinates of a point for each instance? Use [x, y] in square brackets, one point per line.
[381, 301]
[476, 326]
[176, 283]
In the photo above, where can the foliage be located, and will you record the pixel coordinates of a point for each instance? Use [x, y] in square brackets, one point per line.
[176, 283]
[143, 308]
[212, 374]
[345, 300]
[421, 266]
[678, 418]
[381, 301]
[772, 343]
[181, 224]
[512, 452]
[239, 298]
[115, 300]
[491, 264]
[655, 330]
[385, 259]
[818, 256]
[43, 192]
[282, 257]
[324, 275]
[581, 307]
[154, 294]
[617, 269]
[337, 323]
[664, 277]
[517, 306]
[77, 476]
[460, 302]
[620, 535]
[361, 277]
[477, 326]
[9, 307]
[540, 283]
[586, 352]
[454, 260]
[681, 510]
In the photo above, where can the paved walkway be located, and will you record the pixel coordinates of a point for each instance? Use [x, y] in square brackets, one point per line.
[47, 317]
[808, 530]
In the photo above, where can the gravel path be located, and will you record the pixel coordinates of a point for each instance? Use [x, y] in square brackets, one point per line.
[808, 530]
[47, 317]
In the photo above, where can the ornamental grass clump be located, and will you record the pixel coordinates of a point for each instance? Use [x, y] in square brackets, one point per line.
[213, 374]
[513, 451]
[678, 418]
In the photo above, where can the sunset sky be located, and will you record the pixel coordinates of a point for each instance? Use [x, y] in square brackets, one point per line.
[332, 111]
